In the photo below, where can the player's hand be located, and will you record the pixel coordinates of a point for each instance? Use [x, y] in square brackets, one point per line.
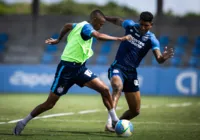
[127, 37]
[52, 41]
[168, 53]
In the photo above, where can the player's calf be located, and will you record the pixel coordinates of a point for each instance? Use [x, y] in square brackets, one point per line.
[128, 115]
[135, 112]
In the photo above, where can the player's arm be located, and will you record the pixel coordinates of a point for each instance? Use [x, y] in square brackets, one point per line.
[115, 20]
[162, 57]
[101, 36]
[89, 31]
[66, 28]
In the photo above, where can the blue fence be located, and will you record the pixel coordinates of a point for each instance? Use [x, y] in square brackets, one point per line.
[153, 80]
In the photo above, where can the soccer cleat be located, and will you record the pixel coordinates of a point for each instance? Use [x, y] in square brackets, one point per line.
[18, 128]
[109, 128]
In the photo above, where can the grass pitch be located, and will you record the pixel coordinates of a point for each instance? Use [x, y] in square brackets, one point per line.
[83, 117]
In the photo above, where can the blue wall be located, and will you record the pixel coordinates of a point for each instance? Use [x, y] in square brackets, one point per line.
[153, 80]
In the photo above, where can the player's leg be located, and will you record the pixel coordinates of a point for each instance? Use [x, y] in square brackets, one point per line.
[48, 104]
[116, 79]
[132, 95]
[59, 88]
[133, 99]
[100, 87]
[117, 86]
[89, 79]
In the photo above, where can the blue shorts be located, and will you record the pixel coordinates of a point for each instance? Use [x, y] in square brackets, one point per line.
[68, 74]
[128, 77]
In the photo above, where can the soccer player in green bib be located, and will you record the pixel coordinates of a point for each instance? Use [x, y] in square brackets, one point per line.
[72, 70]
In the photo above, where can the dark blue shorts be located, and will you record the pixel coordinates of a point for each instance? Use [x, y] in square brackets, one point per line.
[128, 77]
[68, 74]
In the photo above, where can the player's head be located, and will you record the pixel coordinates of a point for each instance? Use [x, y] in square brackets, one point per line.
[146, 21]
[97, 19]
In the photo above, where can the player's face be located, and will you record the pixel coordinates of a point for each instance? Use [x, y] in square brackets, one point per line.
[145, 26]
[98, 22]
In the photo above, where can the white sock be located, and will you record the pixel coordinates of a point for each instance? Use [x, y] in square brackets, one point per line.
[27, 119]
[113, 115]
[109, 121]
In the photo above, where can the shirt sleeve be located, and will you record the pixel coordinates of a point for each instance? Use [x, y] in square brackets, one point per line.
[127, 23]
[87, 30]
[155, 43]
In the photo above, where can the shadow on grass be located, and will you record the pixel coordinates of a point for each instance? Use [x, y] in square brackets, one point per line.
[81, 133]
[45, 132]
[68, 133]
[11, 134]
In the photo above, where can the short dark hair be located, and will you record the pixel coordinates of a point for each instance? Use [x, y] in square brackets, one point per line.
[146, 16]
[95, 13]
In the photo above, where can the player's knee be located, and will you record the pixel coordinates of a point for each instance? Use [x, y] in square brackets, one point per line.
[117, 87]
[105, 91]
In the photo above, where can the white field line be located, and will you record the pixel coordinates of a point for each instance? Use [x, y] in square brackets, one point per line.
[14, 121]
[145, 106]
[89, 111]
[45, 116]
[55, 115]
[179, 105]
[97, 110]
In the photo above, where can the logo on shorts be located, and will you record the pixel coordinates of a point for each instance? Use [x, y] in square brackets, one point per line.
[60, 89]
[115, 71]
[88, 73]
[136, 82]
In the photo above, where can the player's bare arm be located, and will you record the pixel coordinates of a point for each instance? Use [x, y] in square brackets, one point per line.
[162, 57]
[101, 36]
[66, 28]
[115, 20]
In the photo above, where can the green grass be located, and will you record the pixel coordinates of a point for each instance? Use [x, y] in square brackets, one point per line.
[157, 120]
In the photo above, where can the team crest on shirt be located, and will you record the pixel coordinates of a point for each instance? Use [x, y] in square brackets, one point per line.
[60, 89]
[145, 38]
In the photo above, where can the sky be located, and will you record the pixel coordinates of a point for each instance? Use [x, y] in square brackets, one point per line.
[179, 7]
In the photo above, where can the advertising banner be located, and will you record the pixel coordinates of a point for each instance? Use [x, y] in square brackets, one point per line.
[152, 80]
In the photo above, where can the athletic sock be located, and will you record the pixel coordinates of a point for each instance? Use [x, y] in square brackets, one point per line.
[113, 115]
[27, 119]
[109, 121]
